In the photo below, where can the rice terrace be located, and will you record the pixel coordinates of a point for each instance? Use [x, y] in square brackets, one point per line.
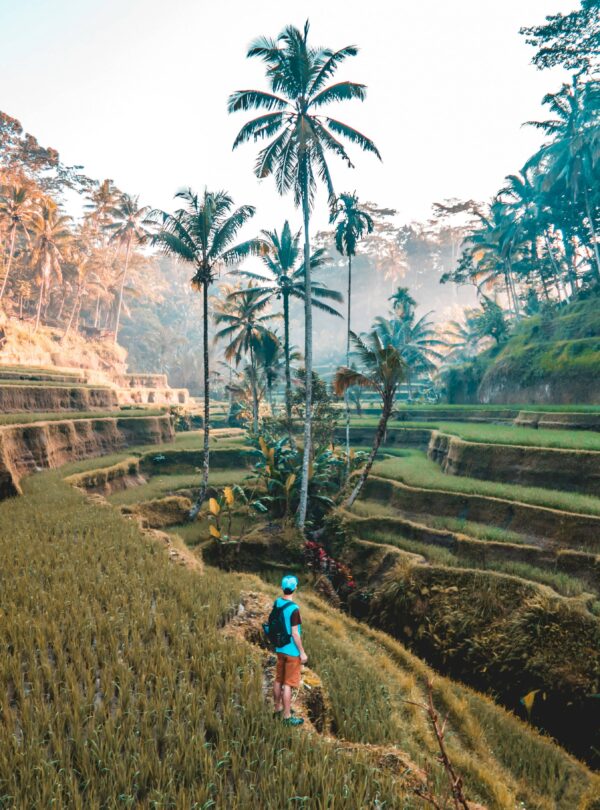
[300, 405]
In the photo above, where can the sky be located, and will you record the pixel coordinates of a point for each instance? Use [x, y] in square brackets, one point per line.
[136, 90]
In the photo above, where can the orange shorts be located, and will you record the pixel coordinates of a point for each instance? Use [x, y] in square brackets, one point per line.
[288, 670]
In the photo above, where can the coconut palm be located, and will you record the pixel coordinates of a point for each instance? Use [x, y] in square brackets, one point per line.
[52, 239]
[416, 341]
[296, 155]
[202, 233]
[403, 303]
[242, 314]
[15, 210]
[352, 224]
[285, 280]
[274, 362]
[383, 370]
[101, 202]
[126, 228]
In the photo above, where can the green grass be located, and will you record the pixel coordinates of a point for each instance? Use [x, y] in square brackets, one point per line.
[480, 531]
[412, 467]
[160, 485]
[530, 437]
[62, 416]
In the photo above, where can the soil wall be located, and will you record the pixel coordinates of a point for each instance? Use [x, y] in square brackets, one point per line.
[29, 448]
[571, 470]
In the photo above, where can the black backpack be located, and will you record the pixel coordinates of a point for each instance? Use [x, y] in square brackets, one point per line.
[275, 629]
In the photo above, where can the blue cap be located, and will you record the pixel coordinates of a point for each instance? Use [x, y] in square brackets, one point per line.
[289, 582]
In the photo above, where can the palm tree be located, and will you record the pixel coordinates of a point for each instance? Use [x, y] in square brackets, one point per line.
[15, 208]
[202, 234]
[403, 303]
[296, 154]
[285, 281]
[416, 342]
[571, 159]
[384, 370]
[52, 239]
[274, 363]
[352, 224]
[127, 227]
[246, 332]
[101, 202]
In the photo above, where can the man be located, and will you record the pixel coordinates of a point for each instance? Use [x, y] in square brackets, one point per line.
[289, 657]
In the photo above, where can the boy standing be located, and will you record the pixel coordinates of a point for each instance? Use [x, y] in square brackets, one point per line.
[289, 657]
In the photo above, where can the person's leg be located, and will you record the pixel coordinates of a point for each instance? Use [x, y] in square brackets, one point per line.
[277, 695]
[287, 701]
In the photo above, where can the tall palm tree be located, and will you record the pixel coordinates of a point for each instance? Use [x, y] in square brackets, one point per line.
[52, 239]
[242, 314]
[300, 137]
[15, 209]
[127, 226]
[352, 224]
[202, 233]
[286, 280]
[416, 342]
[383, 371]
[571, 160]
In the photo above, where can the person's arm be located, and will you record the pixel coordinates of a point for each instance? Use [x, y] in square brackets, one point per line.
[298, 641]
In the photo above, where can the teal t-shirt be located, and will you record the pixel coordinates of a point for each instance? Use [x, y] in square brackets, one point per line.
[290, 608]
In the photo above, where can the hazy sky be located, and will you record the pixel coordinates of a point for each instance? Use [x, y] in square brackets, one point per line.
[136, 90]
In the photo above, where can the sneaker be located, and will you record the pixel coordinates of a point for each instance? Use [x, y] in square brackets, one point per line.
[293, 721]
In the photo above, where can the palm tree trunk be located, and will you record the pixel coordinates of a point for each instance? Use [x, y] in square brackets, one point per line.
[303, 505]
[592, 229]
[254, 392]
[10, 258]
[122, 287]
[346, 398]
[72, 316]
[97, 315]
[555, 267]
[206, 455]
[39, 306]
[380, 433]
[288, 375]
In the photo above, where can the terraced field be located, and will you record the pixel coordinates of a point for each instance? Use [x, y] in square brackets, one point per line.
[140, 683]
[495, 582]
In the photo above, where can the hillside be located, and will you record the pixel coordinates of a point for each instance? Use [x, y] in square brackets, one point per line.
[553, 357]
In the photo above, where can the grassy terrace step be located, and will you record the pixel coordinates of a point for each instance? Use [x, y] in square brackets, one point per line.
[15, 398]
[419, 487]
[487, 434]
[412, 467]
[190, 702]
[570, 573]
[40, 376]
[54, 416]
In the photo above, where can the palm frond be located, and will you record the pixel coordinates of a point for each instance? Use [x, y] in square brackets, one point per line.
[342, 91]
[353, 135]
[253, 100]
